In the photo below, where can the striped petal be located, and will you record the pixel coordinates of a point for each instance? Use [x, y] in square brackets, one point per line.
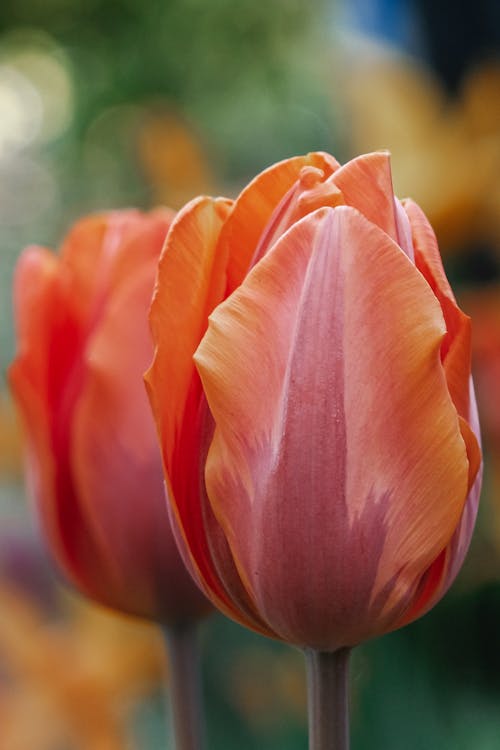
[334, 488]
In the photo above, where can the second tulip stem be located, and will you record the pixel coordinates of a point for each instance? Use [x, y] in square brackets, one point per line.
[327, 695]
[186, 705]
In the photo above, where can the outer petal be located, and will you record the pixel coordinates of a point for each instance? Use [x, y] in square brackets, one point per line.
[116, 460]
[456, 348]
[443, 571]
[191, 282]
[133, 242]
[460, 542]
[37, 377]
[456, 357]
[303, 455]
[92, 243]
[81, 253]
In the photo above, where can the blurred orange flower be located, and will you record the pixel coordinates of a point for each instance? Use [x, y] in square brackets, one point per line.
[446, 153]
[72, 681]
[173, 158]
[93, 460]
[10, 438]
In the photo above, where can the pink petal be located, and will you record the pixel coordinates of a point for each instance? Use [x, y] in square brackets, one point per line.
[337, 470]
[366, 183]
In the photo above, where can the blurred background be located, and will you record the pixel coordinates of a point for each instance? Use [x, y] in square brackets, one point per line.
[112, 103]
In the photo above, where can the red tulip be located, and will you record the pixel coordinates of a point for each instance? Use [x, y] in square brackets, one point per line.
[94, 464]
[334, 424]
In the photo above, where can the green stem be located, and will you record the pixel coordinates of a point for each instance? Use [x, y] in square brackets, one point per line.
[327, 695]
[186, 704]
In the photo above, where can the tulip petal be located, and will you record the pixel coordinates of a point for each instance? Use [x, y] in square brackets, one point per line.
[310, 192]
[234, 600]
[457, 343]
[366, 183]
[256, 204]
[192, 278]
[456, 346]
[35, 280]
[97, 241]
[455, 354]
[81, 251]
[443, 571]
[191, 282]
[126, 438]
[354, 440]
[43, 304]
[460, 542]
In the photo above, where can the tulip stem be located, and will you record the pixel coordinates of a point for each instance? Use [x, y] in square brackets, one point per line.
[327, 695]
[185, 693]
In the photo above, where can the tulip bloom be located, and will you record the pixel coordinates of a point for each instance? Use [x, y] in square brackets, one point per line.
[312, 361]
[94, 465]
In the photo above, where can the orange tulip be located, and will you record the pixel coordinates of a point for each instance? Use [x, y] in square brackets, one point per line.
[311, 358]
[94, 464]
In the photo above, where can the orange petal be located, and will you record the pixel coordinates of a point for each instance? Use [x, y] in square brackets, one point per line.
[310, 192]
[443, 571]
[335, 431]
[366, 184]
[35, 281]
[116, 460]
[45, 319]
[456, 346]
[81, 252]
[254, 207]
[191, 281]
[97, 242]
